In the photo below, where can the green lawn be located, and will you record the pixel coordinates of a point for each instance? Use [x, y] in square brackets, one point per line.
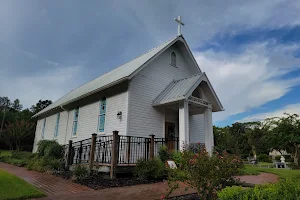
[282, 173]
[5, 153]
[12, 187]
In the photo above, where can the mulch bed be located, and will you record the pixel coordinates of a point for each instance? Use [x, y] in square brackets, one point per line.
[99, 181]
[63, 174]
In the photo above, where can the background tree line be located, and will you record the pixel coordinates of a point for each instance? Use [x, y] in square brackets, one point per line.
[253, 138]
[17, 127]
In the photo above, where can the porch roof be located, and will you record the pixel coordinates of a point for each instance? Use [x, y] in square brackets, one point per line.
[181, 89]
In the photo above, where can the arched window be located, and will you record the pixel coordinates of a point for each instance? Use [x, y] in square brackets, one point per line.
[102, 113]
[173, 59]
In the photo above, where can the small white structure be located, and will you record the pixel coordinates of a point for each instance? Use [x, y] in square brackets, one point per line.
[162, 92]
[282, 159]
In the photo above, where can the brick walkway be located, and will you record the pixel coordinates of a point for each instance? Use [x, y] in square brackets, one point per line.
[145, 192]
[49, 184]
[262, 178]
[58, 188]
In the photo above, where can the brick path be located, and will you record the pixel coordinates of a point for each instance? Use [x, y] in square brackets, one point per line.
[49, 184]
[262, 178]
[60, 189]
[145, 192]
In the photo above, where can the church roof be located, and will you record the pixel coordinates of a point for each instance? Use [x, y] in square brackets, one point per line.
[120, 74]
[177, 90]
[181, 89]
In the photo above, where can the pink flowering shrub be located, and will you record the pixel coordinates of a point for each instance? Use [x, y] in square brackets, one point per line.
[207, 174]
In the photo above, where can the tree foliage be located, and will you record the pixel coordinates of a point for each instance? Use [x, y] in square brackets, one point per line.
[251, 138]
[17, 127]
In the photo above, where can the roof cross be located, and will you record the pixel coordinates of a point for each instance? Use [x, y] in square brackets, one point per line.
[178, 20]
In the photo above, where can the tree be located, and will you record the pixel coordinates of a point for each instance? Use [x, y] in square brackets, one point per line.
[4, 105]
[16, 105]
[16, 132]
[256, 133]
[40, 106]
[285, 134]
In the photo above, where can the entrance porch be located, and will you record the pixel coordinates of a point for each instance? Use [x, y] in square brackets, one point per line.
[188, 105]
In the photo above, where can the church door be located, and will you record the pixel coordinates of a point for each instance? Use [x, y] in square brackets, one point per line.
[170, 135]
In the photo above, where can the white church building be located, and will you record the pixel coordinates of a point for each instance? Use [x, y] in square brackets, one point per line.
[162, 92]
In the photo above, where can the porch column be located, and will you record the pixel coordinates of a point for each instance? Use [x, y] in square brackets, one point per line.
[208, 130]
[183, 124]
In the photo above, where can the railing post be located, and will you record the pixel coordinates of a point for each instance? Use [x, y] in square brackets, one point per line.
[80, 152]
[92, 151]
[69, 157]
[128, 148]
[114, 154]
[152, 146]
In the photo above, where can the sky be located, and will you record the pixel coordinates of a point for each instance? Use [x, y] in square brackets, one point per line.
[250, 50]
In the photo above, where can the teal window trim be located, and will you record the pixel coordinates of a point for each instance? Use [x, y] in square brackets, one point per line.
[102, 115]
[57, 125]
[75, 122]
[43, 129]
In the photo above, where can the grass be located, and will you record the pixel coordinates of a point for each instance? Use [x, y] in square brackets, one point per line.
[282, 173]
[5, 153]
[13, 188]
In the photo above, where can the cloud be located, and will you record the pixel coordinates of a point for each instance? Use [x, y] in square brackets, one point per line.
[50, 85]
[251, 78]
[53, 36]
[290, 109]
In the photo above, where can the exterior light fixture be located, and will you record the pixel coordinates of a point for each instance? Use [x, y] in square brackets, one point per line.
[119, 115]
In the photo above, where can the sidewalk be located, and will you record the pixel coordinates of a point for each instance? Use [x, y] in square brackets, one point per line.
[58, 188]
[51, 185]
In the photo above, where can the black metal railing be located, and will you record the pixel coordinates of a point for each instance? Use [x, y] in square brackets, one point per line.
[81, 151]
[171, 143]
[103, 149]
[130, 149]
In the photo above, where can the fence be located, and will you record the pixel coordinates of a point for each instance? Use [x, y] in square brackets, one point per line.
[115, 150]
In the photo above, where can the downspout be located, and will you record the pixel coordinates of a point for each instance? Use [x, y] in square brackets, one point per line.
[67, 123]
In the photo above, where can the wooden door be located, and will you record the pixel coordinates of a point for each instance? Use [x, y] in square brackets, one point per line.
[170, 135]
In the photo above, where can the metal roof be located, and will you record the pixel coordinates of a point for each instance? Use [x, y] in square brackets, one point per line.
[177, 90]
[109, 79]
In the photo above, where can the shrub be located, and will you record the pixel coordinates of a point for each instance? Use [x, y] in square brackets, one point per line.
[293, 165]
[207, 174]
[42, 146]
[44, 164]
[177, 157]
[277, 158]
[285, 189]
[80, 172]
[53, 150]
[231, 193]
[288, 158]
[163, 153]
[13, 161]
[150, 169]
[264, 158]
[22, 155]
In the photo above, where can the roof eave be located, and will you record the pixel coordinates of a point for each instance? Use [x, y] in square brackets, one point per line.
[83, 96]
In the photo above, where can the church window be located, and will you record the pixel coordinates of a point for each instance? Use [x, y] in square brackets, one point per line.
[43, 129]
[102, 113]
[75, 121]
[173, 59]
[56, 125]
